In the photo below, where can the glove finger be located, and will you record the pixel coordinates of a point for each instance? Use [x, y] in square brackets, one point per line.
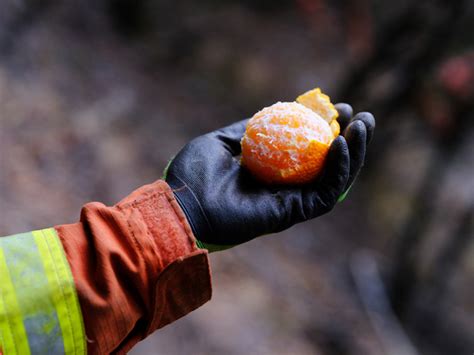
[356, 137]
[336, 172]
[369, 121]
[231, 136]
[345, 114]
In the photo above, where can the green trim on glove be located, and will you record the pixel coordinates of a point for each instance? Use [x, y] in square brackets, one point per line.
[211, 248]
[344, 195]
[165, 171]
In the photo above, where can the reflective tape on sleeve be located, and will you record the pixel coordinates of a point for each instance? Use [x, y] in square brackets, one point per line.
[39, 308]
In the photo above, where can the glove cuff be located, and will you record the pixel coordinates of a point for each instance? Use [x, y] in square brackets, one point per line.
[194, 214]
[191, 207]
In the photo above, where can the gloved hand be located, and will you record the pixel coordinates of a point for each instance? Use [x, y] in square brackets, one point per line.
[226, 206]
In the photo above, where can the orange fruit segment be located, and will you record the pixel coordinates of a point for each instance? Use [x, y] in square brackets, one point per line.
[286, 143]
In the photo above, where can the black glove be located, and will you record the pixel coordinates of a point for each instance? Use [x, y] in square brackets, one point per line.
[226, 206]
[358, 138]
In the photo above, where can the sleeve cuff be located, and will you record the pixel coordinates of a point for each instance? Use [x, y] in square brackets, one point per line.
[136, 267]
[184, 282]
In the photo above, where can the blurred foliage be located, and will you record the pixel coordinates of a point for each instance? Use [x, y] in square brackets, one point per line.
[97, 96]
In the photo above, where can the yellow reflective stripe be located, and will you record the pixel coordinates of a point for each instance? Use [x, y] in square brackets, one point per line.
[32, 289]
[62, 290]
[12, 329]
[39, 307]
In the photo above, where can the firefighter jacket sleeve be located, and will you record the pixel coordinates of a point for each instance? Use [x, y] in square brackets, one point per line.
[101, 285]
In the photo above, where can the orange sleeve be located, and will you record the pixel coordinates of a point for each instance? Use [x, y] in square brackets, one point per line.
[136, 267]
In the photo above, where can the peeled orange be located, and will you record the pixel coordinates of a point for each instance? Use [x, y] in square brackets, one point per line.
[287, 143]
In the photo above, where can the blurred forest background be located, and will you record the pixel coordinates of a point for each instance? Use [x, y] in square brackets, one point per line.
[96, 96]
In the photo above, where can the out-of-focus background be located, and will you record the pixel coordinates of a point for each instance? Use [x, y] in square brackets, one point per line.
[97, 96]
